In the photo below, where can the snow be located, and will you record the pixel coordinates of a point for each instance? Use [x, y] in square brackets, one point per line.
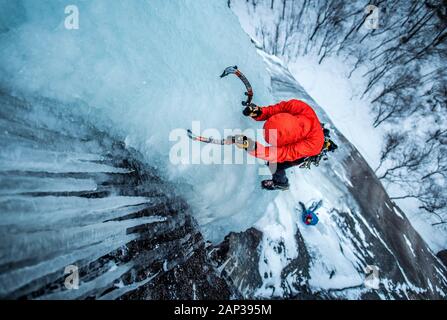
[339, 252]
[409, 245]
[351, 115]
[278, 243]
[435, 237]
[397, 213]
[329, 86]
[332, 268]
[336, 262]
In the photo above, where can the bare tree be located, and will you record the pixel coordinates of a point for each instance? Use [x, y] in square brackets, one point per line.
[406, 78]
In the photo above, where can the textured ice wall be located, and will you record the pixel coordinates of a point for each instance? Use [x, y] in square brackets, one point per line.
[86, 203]
[151, 66]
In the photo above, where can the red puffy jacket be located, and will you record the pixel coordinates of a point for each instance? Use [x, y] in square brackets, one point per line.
[293, 131]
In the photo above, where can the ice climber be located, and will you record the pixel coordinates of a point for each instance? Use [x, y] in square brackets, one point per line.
[293, 131]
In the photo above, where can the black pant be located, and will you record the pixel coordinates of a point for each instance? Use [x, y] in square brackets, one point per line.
[279, 175]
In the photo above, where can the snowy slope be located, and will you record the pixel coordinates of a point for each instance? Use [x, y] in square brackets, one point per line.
[281, 28]
[351, 115]
[359, 227]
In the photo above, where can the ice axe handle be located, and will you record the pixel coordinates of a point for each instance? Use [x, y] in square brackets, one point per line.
[234, 70]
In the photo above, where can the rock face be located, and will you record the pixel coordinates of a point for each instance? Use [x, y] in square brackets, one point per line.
[75, 198]
[442, 255]
[237, 257]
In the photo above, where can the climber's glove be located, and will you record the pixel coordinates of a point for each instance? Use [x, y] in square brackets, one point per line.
[252, 110]
[244, 142]
[330, 145]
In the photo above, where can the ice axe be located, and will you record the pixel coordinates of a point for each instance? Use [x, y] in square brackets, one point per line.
[234, 70]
